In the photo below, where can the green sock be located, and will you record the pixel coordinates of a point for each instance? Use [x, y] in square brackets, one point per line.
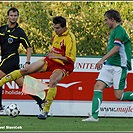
[10, 77]
[127, 96]
[96, 102]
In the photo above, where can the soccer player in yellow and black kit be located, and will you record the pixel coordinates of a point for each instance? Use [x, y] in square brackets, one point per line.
[60, 61]
[11, 35]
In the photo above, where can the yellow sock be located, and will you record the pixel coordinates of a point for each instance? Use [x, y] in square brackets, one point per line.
[10, 77]
[49, 98]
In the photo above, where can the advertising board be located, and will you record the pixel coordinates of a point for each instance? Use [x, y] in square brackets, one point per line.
[74, 93]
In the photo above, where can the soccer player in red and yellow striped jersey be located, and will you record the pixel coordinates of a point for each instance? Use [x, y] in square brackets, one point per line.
[60, 61]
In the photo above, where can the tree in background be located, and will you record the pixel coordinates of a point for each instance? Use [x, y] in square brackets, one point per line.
[85, 19]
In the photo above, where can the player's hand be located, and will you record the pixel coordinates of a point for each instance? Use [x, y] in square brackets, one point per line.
[26, 65]
[52, 56]
[99, 65]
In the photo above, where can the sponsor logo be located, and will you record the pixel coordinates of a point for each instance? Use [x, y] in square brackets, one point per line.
[13, 88]
[85, 65]
[117, 109]
[61, 84]
[10, 40]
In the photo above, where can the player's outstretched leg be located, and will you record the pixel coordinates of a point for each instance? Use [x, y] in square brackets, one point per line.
[10, 77]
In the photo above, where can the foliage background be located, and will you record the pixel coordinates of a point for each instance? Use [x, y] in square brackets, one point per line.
[85, 19]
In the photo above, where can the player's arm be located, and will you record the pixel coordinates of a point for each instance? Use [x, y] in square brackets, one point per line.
[70, 52]
[25, 42]
[55, 56]
[113, 51]
[28, 53]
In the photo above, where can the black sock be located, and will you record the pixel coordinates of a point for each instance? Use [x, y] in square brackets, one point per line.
[37, 99]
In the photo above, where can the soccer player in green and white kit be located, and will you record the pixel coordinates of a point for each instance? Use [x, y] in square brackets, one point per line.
[116, 62]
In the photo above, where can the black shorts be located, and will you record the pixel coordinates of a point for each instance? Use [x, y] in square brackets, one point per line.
[10, 64]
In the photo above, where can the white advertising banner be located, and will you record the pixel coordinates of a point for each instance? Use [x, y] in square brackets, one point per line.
[74, 93]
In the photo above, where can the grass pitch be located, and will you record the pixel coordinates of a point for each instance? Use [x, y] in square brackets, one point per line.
[65, 124]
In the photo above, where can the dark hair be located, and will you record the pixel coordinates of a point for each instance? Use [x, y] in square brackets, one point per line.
[13, 9]
[59, 20]
[113, 14]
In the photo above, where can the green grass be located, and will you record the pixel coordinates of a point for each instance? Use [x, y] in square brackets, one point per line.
[31, 123]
